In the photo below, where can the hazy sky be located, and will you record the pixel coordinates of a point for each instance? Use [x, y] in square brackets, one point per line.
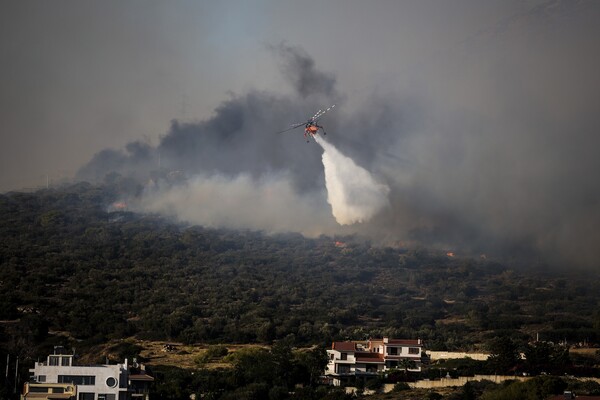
[79, 76]
[482, 117]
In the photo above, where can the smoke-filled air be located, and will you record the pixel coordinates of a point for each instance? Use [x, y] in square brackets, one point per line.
[352, 192]
[466, 126]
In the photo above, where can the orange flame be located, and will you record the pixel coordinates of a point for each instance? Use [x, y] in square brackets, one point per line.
[120, 205]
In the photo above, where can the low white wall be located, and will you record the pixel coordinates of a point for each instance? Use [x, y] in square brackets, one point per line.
[458, 382]
[449, 355]
[461, 380]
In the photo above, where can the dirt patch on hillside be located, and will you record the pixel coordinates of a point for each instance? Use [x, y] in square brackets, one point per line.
[166, 353]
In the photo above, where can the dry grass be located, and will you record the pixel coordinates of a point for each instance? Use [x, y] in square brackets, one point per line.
[585, 351]
[178, 354]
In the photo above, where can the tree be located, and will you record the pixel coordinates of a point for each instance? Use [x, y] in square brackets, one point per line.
[312, 364]
[252, 365]
[537, 388]
[468, 392]
[546, 357]
[504, 355]
[406, 364]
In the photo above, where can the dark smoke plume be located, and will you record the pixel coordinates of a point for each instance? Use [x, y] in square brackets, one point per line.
[299, 68]
[494, 151]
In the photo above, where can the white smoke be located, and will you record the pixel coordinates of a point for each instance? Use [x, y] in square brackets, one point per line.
[352, 192]
[269, 204]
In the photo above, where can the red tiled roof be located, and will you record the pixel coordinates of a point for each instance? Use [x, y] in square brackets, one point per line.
[399, 357]
[408, 342]
[343, 346]
[369, 357]
[351, 346]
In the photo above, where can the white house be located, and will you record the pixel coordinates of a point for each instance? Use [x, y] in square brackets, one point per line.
[90, 382]
[347, 359]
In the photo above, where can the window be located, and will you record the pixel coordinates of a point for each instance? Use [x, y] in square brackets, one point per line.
[111, 382]
[66, 361]
[58, 390]
[86, 396]
[106, 396]
[392, 351]
[78, 380]
[53, 360]
[413, 350]
[343, 369]
[371, 368]
[39, 389]
[344, 356]
[41, 378]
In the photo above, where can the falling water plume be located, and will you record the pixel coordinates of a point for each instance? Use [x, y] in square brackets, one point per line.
[352, 192]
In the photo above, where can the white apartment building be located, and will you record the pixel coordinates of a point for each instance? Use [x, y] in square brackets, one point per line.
[356, 358]
[91, 382]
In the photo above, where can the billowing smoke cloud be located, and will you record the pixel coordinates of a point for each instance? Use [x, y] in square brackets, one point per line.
[300, 69]
[270, 204]
[352, 192]
[491, 147]
[241, 174]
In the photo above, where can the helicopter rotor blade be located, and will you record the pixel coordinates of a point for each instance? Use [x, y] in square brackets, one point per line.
[311, 120]
[292, 127]
[320, 113]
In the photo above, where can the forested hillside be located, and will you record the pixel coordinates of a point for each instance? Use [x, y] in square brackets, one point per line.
[71, 269]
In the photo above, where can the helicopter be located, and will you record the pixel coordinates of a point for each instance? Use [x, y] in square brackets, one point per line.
[311, 128]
